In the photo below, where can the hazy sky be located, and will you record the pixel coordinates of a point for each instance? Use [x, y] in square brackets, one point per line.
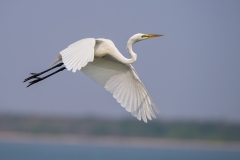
[192, 72]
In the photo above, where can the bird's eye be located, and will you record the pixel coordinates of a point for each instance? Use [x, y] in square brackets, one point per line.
[143, 36]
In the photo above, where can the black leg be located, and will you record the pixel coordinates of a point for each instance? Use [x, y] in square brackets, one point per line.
[38, 79]
[34, 75]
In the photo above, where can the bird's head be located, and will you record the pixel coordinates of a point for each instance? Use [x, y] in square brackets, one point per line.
[140, 36]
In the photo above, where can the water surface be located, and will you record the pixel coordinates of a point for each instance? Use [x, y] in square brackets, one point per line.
[30, 151]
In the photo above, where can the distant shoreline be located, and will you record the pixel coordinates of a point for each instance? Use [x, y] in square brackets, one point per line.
[136, 142]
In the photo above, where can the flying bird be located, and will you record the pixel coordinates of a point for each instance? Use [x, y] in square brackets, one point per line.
[101, 61]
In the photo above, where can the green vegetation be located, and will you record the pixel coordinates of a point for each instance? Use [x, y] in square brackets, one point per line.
[126, 128]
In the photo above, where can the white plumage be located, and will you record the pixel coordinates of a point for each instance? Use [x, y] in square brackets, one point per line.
[122, 81]
[115, 76]
[78, 54]
[101, 61]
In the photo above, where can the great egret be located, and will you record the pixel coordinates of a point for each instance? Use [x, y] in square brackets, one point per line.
[101, 61]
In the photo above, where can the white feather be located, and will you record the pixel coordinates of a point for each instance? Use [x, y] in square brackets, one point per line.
[78, 54]
[122, 81]
[101, 61]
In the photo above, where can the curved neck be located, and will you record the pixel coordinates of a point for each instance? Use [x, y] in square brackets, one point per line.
[130, 51]
[118, 56]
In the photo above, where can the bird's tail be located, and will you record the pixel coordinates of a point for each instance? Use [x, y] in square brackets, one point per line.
[59, 58]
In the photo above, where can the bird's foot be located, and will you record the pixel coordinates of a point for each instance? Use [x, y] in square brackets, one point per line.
[34, 75]
[37, 79]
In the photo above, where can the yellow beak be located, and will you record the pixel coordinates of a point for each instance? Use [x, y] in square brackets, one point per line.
[154, 35]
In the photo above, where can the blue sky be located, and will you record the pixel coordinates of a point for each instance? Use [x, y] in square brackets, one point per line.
[192, 72]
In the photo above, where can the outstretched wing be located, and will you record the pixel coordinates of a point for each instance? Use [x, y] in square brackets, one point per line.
[78, 54]
[123, 82]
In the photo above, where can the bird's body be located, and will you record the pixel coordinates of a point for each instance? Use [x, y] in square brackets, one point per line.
[103, 47]
[101, 61]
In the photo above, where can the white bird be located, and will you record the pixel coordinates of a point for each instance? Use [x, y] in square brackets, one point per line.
[101, 61]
